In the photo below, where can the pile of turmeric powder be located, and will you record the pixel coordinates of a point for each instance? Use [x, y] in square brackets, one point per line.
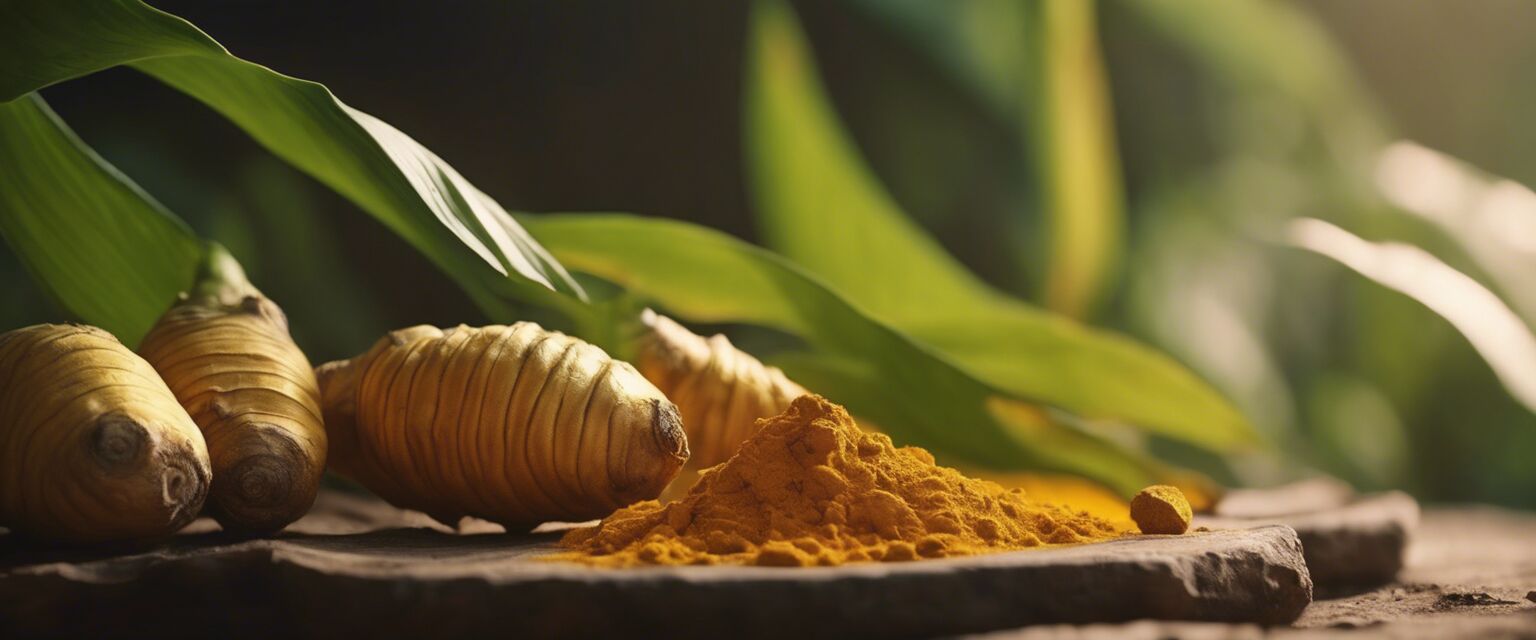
[810, 488]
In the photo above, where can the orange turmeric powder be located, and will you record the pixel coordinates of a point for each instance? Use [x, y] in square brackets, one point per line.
[810, 488]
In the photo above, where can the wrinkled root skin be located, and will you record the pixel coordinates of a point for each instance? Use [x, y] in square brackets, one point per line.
[225, 352]
[512, 424]
[721, 391]
[94, 447]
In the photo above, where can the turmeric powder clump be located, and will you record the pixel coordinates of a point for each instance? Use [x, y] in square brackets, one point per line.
[1161, 510]
[809, 488]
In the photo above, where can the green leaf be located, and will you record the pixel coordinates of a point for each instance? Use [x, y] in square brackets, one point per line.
[1495, 331]
[102, 247]
[1075, 154]
[820, 206]
[1490, 218]
[385, 172]
[907, 389]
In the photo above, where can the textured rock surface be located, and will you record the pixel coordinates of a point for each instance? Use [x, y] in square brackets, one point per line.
[338, 572]
[1349, 543]
[1466, 572]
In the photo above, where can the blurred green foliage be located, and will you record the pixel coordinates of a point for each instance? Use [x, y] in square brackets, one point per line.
[940, 398]
[818, 206]
[910, 390]
[1037, 69]
[1230, 121]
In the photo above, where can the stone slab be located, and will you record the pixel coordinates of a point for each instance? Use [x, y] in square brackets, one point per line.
[1356, 543]
[1468, 570]
[424, 581]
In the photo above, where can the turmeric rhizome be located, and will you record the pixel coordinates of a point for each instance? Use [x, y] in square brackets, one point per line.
[513, 424]
[93, 446]
[225, 352]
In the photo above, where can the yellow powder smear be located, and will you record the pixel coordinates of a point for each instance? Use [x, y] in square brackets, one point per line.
[1081, 493]
[810, 488]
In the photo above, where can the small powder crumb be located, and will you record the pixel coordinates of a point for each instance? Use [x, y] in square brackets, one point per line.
[1531, 596]
[812, 489]
[1161, 510]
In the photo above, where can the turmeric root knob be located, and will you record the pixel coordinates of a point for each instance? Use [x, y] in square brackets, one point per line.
[513, 424]
[1161, 510]
[225, 351]
[93, 446]
[720, 390]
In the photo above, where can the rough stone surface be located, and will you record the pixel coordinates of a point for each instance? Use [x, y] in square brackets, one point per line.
[1519, 626]
[355, 569]
[1349, 545]
[1466, 570]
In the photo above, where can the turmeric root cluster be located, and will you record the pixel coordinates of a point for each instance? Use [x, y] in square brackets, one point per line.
[93, 446]
[810, 488]
[513, 424]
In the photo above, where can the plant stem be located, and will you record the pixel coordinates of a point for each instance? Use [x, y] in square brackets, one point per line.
[221, 282]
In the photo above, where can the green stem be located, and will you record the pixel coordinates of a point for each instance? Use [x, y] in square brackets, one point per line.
[220, 280]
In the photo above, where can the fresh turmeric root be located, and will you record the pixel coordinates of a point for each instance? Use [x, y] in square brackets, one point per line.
[225, 351]
[93, 446]
[513, 424]
[720, 390]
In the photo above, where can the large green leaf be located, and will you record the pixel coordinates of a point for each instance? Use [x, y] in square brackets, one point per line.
[385, 172]
[906, 388]
[820, 206]
[106, 250]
